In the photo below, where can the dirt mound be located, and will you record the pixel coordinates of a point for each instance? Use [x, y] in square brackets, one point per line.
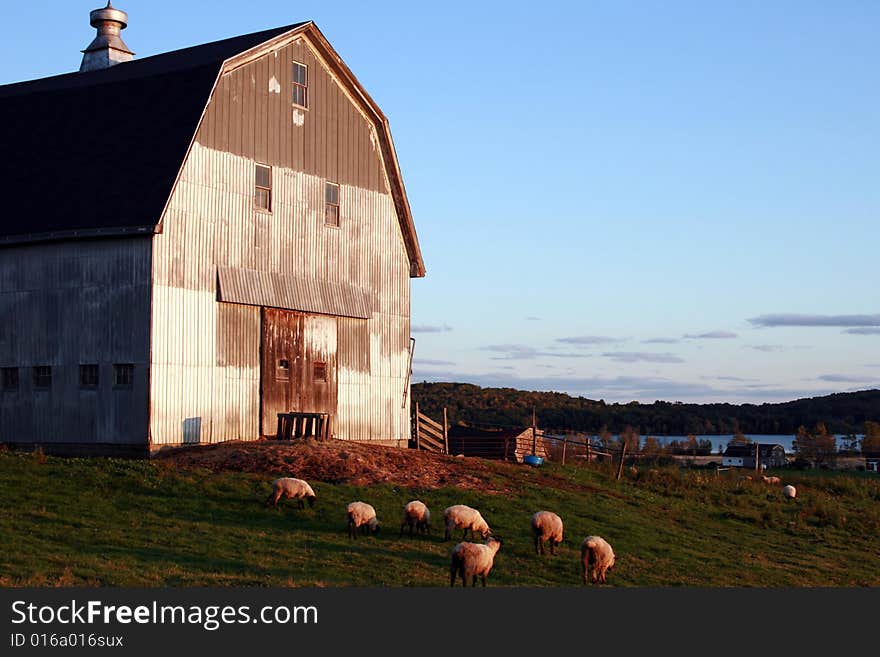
[339, 461]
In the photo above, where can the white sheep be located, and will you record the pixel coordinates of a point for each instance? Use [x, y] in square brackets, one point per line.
[546, 526]
[789, 492]
[291, 488]
[361, 514]
[597, 558]
[464, 517]
[470, 560]
[771, 480]
[416, 516]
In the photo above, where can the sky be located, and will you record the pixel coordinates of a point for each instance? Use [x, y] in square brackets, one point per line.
[619, 200]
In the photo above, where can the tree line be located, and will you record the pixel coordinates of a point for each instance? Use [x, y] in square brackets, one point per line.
[470, 405]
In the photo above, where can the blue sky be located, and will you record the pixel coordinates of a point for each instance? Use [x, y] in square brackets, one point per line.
[620, 200]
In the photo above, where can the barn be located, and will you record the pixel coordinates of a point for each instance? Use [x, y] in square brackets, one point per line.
[197, 241]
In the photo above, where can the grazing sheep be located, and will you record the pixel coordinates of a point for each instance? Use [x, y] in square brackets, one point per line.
[546, 526]
[417, 516]
[291, 488]
[789, 492]
[361, 514]
[597, 558]
[464, 517]
[771, 480]
[470, 560]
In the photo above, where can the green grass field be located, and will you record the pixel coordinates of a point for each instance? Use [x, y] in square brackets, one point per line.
[108, 522]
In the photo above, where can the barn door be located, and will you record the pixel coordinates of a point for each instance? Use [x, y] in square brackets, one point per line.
[298, 371]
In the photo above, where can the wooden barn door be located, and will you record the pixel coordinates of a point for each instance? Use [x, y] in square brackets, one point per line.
[298, 369]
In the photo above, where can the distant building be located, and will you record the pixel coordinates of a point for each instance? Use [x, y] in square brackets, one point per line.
[872, 461]
[743, 456]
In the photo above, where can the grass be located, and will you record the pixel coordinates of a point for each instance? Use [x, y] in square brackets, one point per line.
[108, 522]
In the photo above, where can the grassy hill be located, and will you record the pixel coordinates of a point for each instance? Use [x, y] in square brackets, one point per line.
[100, 522]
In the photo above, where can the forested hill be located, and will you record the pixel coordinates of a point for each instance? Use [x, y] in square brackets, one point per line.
[842, 413]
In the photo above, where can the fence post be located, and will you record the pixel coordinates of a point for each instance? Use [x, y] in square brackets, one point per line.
[534, 434]
[589, 451]
[418, 431]
[445, 431]
[564, 445]
[622, 456]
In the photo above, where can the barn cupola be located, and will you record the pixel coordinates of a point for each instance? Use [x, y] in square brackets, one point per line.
[107, 48]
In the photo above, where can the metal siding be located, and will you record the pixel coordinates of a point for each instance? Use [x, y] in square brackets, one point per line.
[66, 304]
[211, 223]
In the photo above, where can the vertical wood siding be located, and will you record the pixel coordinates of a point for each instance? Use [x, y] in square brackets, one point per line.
[201, 348]
[66, 304]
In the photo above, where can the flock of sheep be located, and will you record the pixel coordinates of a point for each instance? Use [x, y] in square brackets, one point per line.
[468, 560]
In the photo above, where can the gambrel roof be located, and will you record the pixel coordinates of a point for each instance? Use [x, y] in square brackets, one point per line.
[98, 153]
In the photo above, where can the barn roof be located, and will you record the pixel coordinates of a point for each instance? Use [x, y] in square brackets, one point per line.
[98, 153]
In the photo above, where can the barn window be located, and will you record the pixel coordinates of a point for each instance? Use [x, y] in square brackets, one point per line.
[300, 85]
[320, 371]
[10, 378]
[88, 376]
[263, 187]
[282, 372]
[123, 374]
[331, 204]
[42, 377]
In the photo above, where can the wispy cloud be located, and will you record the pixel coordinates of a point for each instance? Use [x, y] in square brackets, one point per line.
[532, 318]
[525, 352]
[660, 341]
[864, 330]
[846, 378]
[734, 378]
[428, 361]
[790, 319]
[588, 340]
[711, 335]
[765, 347]
[642, 357]
[431, 328]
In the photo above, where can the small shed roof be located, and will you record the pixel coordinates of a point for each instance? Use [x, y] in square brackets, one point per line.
[749, 450]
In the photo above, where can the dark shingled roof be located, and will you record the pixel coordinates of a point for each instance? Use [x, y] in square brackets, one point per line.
[99, 151]
[749, 450]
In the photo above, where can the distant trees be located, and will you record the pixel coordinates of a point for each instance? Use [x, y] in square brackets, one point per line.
[871, 439]
[818, 447]
[739, 439]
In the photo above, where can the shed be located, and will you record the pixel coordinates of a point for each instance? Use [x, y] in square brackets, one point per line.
[197, 241]
[500, 444]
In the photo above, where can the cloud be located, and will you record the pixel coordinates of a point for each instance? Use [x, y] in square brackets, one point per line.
[711, 335]
[525, 352]
[845, 378]
[734, 378]
[789, 319]
[532, 318]
[863, 330]
[642, 357]
[660, 341]
[429, 328]
[428, 361]
[765, 347]
[588, 340]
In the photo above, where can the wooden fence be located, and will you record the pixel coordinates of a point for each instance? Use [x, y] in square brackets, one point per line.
[431, 436]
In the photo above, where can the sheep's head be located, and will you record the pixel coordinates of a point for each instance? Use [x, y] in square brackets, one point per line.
[494, 542]
[311, 500]
[373, 524]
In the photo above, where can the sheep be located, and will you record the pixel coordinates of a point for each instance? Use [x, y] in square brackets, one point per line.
[464, 517]
[597, 558]
[771, 480]
[789, 492]
[359, 514]
[417, 516]
[546, 526]
[470, 560]
[291, 488]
